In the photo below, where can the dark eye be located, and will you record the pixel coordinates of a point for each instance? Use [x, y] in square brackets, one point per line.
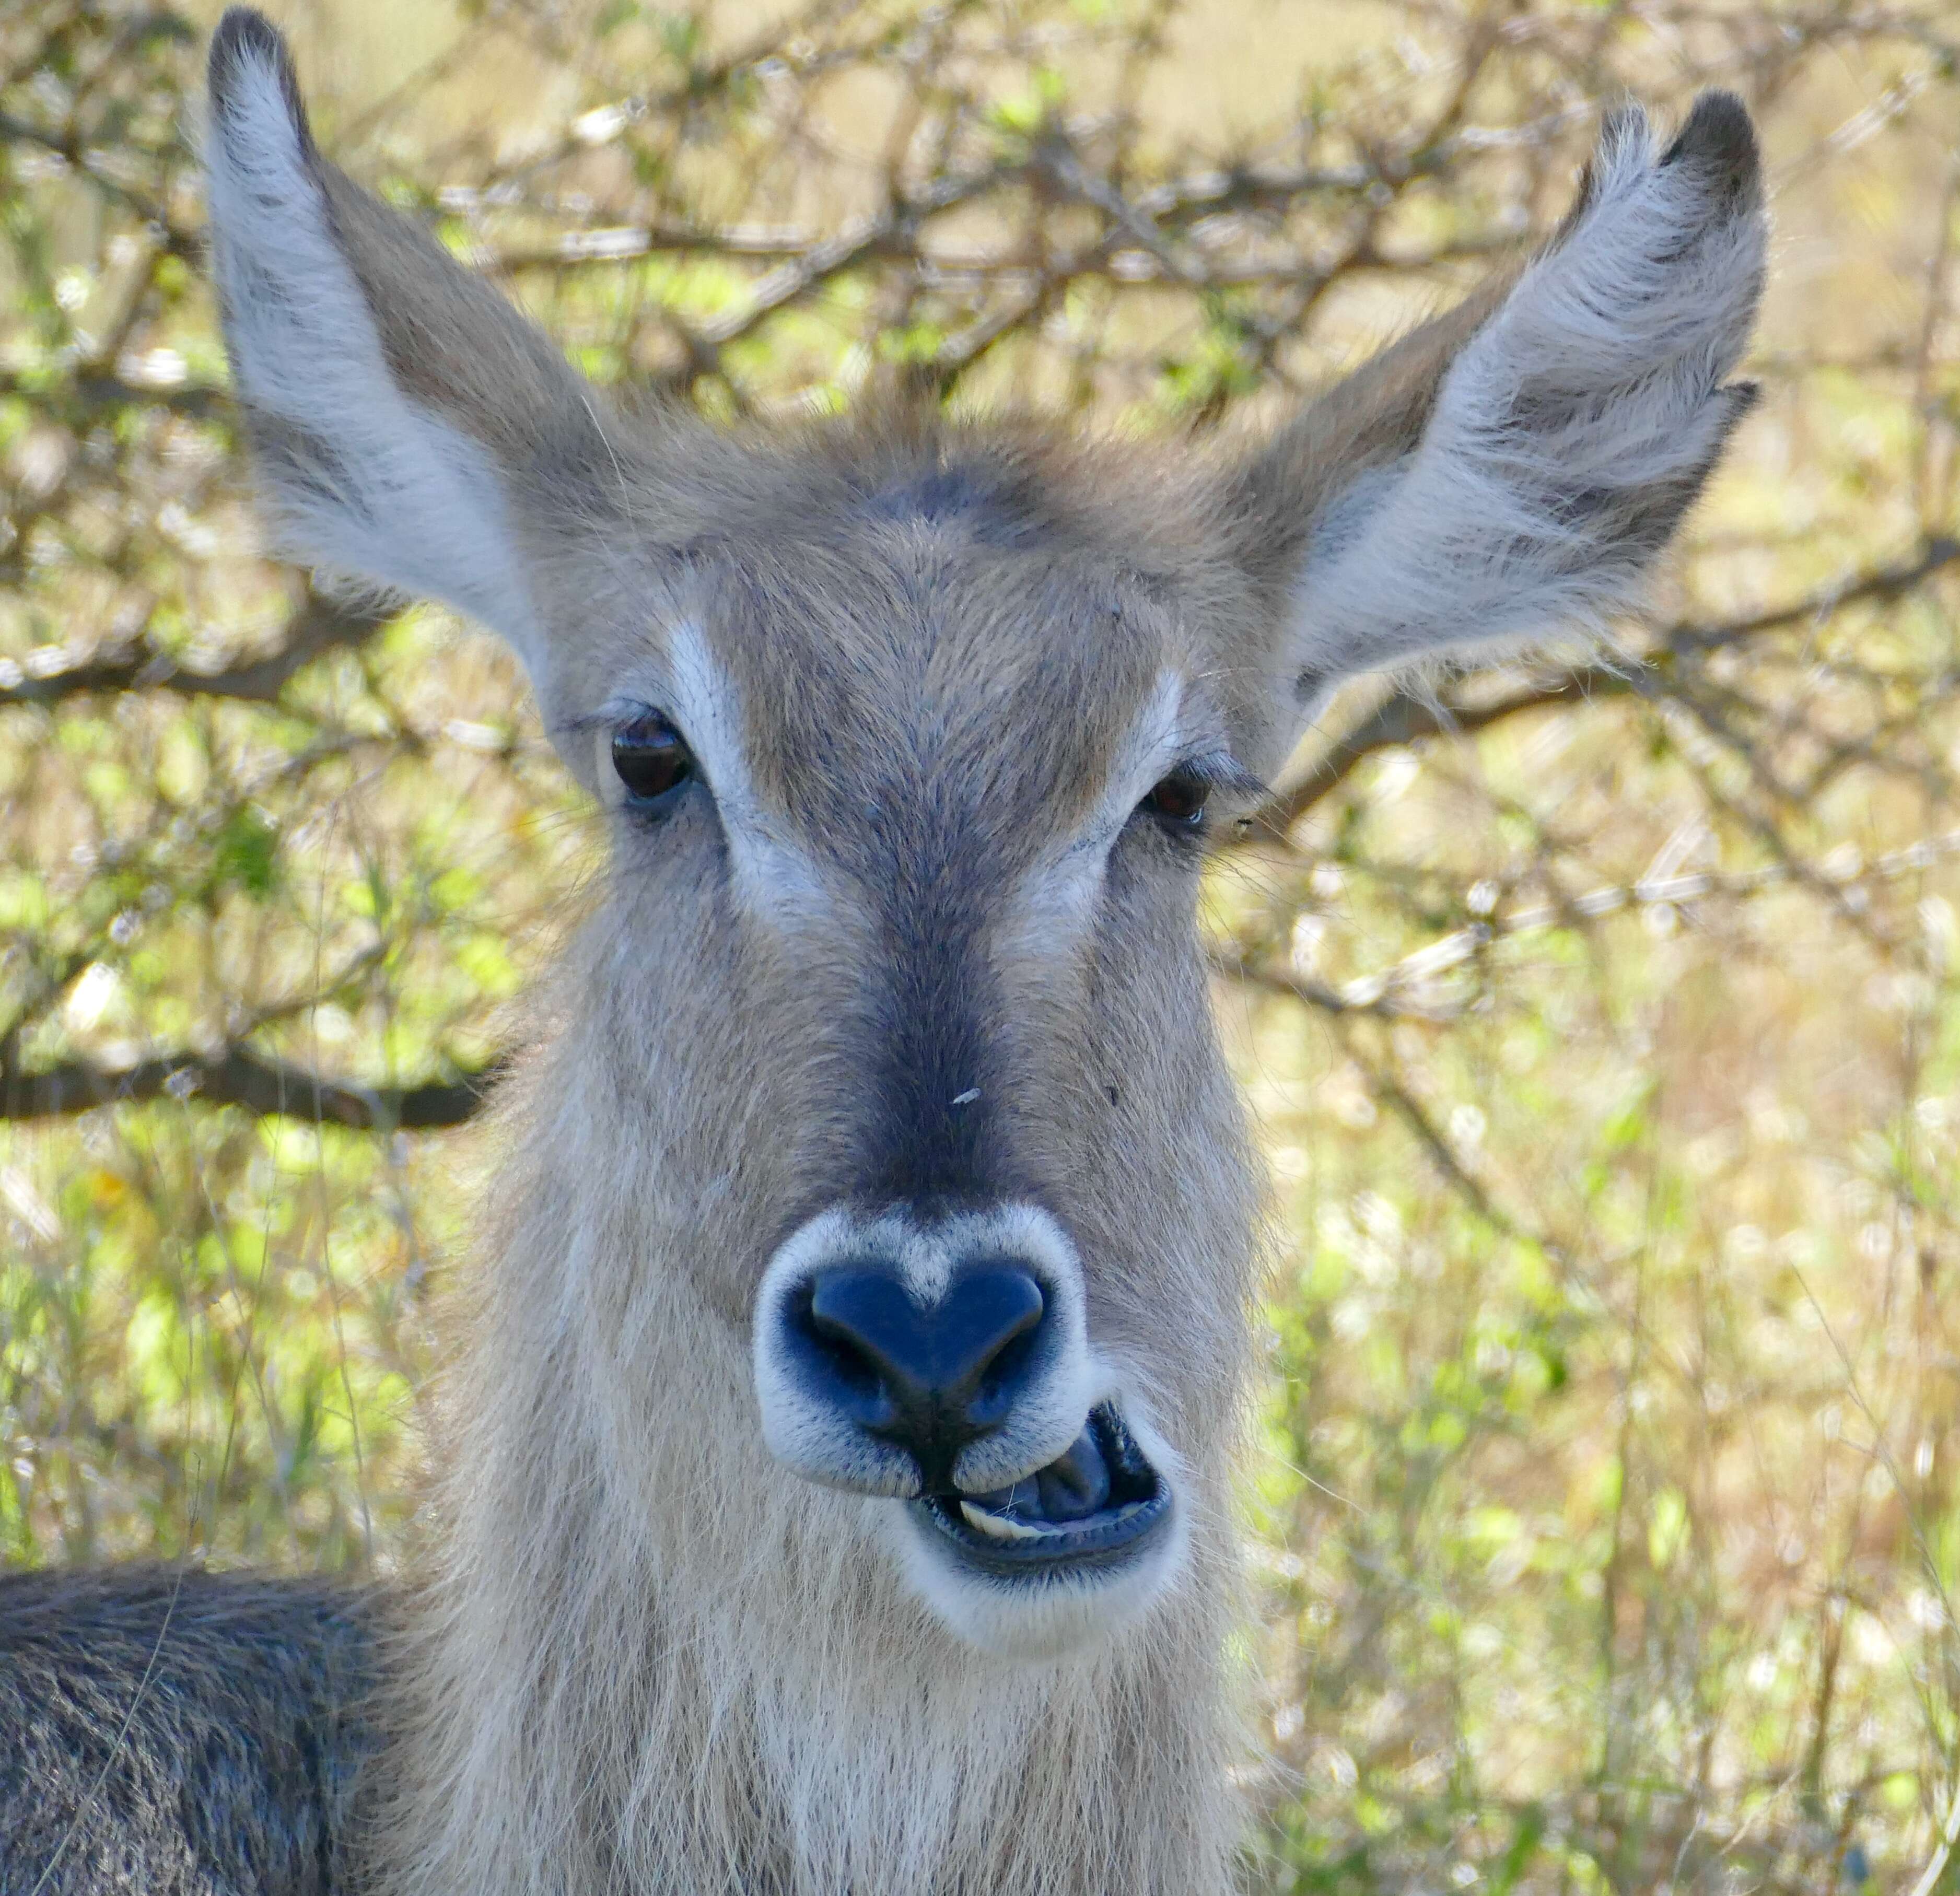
[652, 761]
[1178, 800]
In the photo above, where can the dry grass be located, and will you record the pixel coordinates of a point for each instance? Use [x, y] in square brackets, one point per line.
[1602, 1022]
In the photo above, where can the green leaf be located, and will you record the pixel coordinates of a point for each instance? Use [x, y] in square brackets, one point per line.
[248, 852]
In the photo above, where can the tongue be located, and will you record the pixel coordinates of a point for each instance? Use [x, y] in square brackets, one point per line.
[1070, 1488]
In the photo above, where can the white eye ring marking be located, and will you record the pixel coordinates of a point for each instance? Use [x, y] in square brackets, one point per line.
[774, 877]
[1058, 895]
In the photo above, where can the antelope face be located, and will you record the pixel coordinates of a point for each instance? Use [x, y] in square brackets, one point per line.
[934, 768]
[912, 740]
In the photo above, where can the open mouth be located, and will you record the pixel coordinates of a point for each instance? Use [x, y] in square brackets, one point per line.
[1090, 1508]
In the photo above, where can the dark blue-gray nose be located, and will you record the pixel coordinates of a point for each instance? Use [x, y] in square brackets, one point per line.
[928, 1380]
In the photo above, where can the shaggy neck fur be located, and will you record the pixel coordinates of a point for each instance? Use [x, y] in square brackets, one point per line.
[643, 1657]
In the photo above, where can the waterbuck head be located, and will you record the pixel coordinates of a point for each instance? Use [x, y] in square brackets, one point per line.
[892, 1085]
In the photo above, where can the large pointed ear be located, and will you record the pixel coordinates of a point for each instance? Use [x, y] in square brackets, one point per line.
[404, 416]
[1513, 470]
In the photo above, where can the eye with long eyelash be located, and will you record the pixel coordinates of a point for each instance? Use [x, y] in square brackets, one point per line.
[1184, 801]
[1178, 801]
[652, 761]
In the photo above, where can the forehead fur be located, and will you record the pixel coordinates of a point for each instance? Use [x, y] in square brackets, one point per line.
[900, 603]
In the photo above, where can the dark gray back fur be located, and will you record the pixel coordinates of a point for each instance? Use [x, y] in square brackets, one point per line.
[169, 1733]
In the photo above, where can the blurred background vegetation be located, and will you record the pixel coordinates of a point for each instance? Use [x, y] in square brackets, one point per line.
[1601, 1022]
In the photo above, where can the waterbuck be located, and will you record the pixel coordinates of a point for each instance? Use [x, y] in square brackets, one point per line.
[833, 1480]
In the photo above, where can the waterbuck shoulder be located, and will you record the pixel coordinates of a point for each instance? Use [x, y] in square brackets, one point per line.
[181, 1733]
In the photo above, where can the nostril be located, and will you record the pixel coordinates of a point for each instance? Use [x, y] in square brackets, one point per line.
[856, 1373]
[988, 1324]
[948, 1372]
[1002, 1377]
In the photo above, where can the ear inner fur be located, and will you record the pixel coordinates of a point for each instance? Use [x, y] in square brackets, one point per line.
[1513, 469]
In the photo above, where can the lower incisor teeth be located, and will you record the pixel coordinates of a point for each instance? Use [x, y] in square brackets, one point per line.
[997, 1526]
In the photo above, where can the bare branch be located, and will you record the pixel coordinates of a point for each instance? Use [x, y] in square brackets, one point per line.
[1405, 989]
[320, 626]
[239, 1077]
[95, 391]
[1405, 717]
